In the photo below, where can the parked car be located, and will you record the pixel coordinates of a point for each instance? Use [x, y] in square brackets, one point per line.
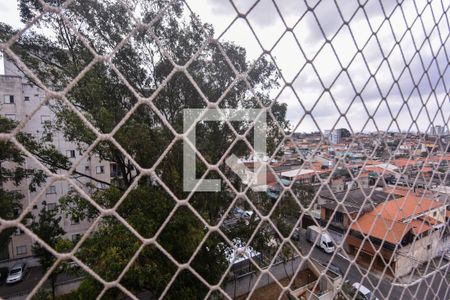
[247, 214]
[447, 255]
[240, 213]
[320, 239]
[363, 291]
[16, 273]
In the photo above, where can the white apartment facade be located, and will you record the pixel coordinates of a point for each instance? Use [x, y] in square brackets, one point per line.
[18, 100]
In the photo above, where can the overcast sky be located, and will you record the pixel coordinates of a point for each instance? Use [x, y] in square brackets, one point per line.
[379, 51]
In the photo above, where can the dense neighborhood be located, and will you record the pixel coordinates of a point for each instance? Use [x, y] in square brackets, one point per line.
[93, 139]
[390, 213]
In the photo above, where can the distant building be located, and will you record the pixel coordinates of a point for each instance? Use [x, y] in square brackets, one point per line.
[19, 98]
[437, 130]
[336, 136]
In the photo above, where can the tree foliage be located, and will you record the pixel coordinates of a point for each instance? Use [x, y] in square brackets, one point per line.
[109, 90]
[47, 227]
[14, 172]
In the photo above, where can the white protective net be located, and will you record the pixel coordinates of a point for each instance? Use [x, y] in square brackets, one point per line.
[115, 81]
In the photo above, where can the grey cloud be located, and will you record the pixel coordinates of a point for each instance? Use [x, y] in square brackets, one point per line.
[221, 7]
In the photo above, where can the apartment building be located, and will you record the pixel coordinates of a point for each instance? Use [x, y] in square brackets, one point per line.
[336, 136]
[19, 99]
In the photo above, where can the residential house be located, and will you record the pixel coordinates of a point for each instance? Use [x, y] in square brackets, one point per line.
[399, 234]
[340, 208]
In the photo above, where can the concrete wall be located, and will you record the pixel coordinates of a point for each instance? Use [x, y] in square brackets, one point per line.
[31, 261]
[444, 245]
[67, 287]
[414, 254]
[245, 284]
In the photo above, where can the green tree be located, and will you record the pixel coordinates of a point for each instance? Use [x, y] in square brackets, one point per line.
[345, 132]
[104, 98]
[13, 172]
[47, 227]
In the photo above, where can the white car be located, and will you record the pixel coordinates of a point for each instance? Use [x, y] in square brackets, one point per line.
[240, 213]
[247, 214]
[447, 255]
[363, 291]
[16, 273]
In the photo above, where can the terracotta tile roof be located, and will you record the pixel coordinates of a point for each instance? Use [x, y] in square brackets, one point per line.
[385, 221]
[375, 226]
[317, 166]
[373, 162]
[403, 162]
[405, 207]
[426, 170]
[436, 158]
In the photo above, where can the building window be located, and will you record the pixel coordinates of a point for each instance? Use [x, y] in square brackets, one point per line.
[74, 220]
[18, 231]
[11, 116]
[21, 250]
[9, 99]
[70, 153]
[429, 247]
[86, 168]
[51, 206]
[338, 217]
[115, 171]
[100, 169]
[76, 237]
[51, 189]
[27, 98]
[45, 119]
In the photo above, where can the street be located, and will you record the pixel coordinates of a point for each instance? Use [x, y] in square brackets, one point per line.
[32, 277]
[433, 287]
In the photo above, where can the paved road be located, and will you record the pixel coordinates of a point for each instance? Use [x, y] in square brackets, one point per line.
[31, 279]
[434, 287]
